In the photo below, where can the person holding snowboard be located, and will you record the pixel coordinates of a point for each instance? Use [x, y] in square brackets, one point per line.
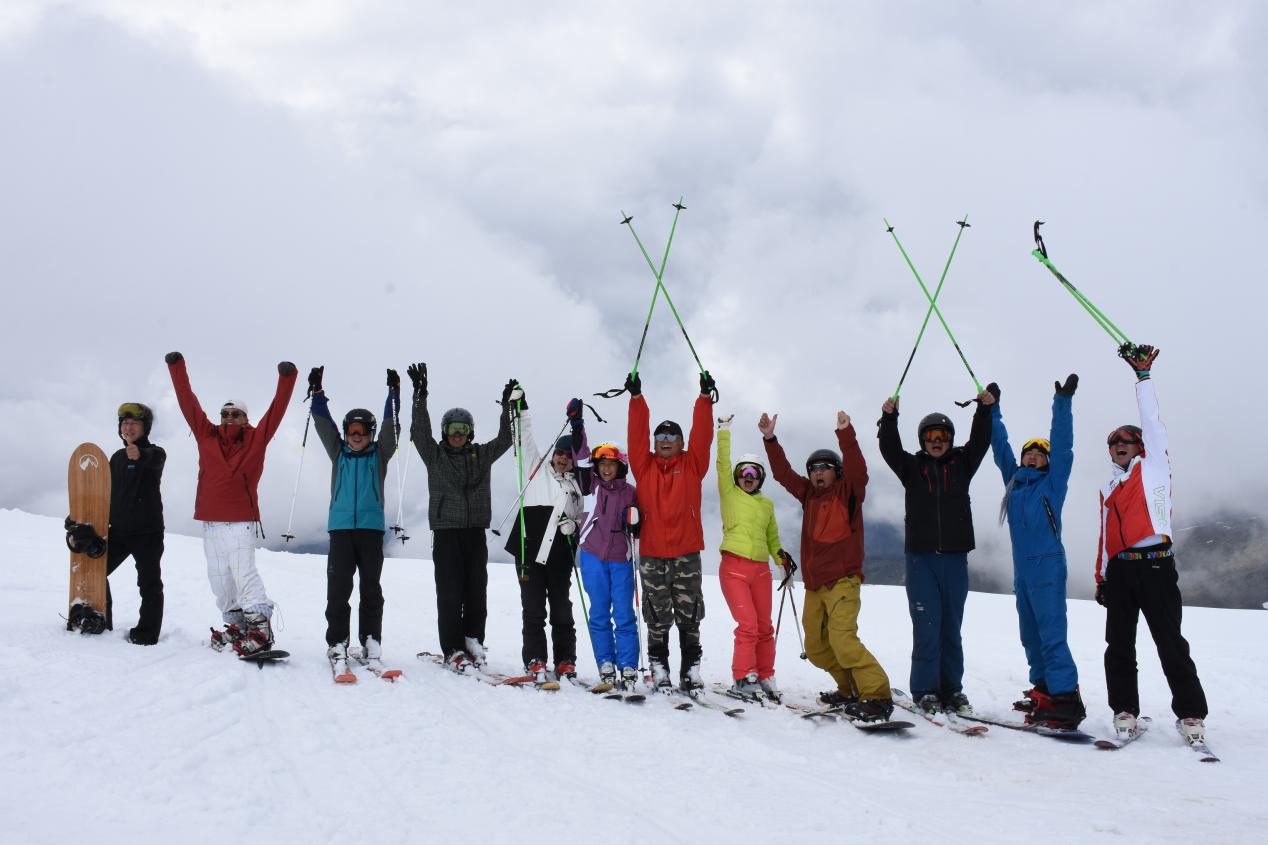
[1136, 566]
[356, 521]
[230, 463]
[669, 478]
[750, 538]
[939, 537]
[136, 518]
[831, 495]
[1034, 495]
[543, 544]
[459, 510]
[606, 556]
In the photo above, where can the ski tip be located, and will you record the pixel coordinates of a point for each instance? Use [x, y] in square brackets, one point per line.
[347, 678]
[392, 674]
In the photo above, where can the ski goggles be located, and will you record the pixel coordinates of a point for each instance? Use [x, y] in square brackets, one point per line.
[358, 430]
[132, 411]
[748, 471]
[457, 428]
[818, 465]
[937, 435]
[1125, 437]
[1036, 443]
[666, 437]
[232, 414]
[605, 452]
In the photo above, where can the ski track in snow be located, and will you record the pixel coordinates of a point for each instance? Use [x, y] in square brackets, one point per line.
[179, 743]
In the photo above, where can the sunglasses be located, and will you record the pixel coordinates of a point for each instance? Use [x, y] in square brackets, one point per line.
[458, 428]
[560, 453]
[818, 465]
[232, 415]
[937, 435]
[358, 430]
[749, 471]
[666, 437]
[1126, 439]
[1036, 443]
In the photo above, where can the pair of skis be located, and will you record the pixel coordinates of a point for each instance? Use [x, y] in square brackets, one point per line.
[341, 668]
[1125, 738]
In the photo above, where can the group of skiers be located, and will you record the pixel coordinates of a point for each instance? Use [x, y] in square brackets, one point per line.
[657, 529]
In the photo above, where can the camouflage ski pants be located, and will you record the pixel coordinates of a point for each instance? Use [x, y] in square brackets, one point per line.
[672, 593]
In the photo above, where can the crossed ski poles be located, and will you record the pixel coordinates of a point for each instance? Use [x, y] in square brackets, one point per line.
[627, 220]
[1126, 348]
[933, 304]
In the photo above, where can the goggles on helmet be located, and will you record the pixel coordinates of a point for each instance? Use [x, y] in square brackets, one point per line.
[818, 465]
[358, 428]
[605, 452]
[1121, 436]
[748, 471]
[457, 428]
[937, 435]
[132, 411]
[1036, 443]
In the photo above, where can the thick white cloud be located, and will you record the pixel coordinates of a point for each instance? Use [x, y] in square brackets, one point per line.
[364, 184]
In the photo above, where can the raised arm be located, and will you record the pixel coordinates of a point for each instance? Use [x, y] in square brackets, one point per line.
[638, 432]
[795, 484]
[387, 430]
[1001, 449]
[891, 443]
[853, 466]
[190, 407]
[286, 376]
[327, 429]
[979, 433]
[725, 482]
[420, 430]
[701, 442]
[1061, 458]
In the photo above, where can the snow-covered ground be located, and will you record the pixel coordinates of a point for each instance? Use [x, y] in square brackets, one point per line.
[102, 741]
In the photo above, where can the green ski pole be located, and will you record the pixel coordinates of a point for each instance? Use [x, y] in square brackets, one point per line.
[963, 224]
[933, 305]
[1125, 347]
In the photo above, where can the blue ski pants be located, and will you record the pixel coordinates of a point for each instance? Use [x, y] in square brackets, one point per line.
[937, 586]
[613, 629]
[1039, 582]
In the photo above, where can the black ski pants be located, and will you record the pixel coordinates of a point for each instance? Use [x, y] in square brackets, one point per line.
[352, 551]
[146, 551]
[1149, 587]
[551, 583]
[461, 556]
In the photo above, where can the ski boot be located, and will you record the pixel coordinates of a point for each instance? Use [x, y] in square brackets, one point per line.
[770, 689]
[870, 710]
[747, 688]
[1063, 711]
[566, 669]
[957, 702]
[689, 679]
[660, 676]
[929, 702]
[476, 655]
[629, 679]
[458, 661]
[836, 698]
[1035, 697]
[607, 673]
[537, 668]
[372, 650]
[1193, 730]
[258, 638]
[1125, 725]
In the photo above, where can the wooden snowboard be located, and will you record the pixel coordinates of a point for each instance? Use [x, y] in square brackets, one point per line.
[88, 480]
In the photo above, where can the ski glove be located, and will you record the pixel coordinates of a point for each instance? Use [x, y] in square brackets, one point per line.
[630, 520]
[508, 394]
[634, 384]
[575, 407]
[173, 357]
[707, 384]
[1067, 389]
[724, 423]
[286, 368]
[418, 375]
[786, 561]
[1100, 594]
[314, 379]
[393, 379]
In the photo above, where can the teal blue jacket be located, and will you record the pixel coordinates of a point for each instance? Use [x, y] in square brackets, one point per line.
[356, 478]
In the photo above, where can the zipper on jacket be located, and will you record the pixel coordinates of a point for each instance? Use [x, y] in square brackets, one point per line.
[1052, 519]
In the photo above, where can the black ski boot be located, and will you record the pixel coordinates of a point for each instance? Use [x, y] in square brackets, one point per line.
[1064, 710]
[870, 710]
[836, 698]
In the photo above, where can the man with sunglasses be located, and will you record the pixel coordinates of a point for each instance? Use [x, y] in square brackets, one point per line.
[136, 518]
[1136, 567]
[230, 463]
[459, 510]
[938, 539]
[671, 539]
[356, 521]
[1034, 495]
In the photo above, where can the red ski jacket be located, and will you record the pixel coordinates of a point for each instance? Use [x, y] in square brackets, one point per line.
[669, 489]
[230, 457]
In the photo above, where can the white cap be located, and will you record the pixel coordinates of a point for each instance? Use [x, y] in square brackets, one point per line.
[234, 403]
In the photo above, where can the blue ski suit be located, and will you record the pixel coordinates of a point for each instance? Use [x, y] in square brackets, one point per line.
[1033, 499]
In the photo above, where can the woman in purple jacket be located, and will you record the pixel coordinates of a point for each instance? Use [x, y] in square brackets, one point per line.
[605, 560]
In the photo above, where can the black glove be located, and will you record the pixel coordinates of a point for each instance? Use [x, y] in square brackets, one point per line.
[418, 375]
[509, 389]
[173, 357]
[707, 385]
[314, 379]
[993, 389]
[575, 407]
[630, 520]
[286, 368]
[787, 562]
[634, 384]
[1067, 389]
[1100, 594]
[393, 379]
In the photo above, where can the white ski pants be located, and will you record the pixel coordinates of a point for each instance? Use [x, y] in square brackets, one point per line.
[230, 550]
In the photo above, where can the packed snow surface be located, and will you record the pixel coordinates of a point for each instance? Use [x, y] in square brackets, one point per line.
[103, 741]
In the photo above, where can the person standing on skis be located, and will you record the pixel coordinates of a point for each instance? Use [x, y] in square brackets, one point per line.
[356, 521]
[669, 478]
[832, 567]
[1136, 566]
[459, 510]
[230, 463]
[1034, 496]
[606, 555]
[939, 537]
[544, 550]
[750, 538]
[136, 518]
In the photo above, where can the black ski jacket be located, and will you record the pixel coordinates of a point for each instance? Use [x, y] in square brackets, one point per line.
[136, 507]
[939, 513]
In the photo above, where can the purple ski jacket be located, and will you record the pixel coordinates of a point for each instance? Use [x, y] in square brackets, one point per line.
[603, 534]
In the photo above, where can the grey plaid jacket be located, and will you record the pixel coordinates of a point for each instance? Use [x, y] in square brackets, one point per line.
[457, 479]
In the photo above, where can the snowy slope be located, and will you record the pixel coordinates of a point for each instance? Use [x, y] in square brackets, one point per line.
[177, 743]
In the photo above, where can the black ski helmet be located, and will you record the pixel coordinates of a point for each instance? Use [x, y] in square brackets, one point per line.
[454, 415]
[935, 420]
[136, 411]
[362, 416]
[824, 456]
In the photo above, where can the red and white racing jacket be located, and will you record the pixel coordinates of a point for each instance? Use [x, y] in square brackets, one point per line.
[1136, 503]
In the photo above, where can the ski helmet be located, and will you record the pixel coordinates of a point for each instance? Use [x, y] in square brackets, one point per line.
[610, 452]
[750, 460]
[936, 420]
[824, 456]
[360, 415]
[457, 415]
[1039, 443]
[136, 411]
[1129, 430]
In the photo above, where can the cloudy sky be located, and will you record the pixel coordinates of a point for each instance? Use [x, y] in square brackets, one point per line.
[365, 184]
